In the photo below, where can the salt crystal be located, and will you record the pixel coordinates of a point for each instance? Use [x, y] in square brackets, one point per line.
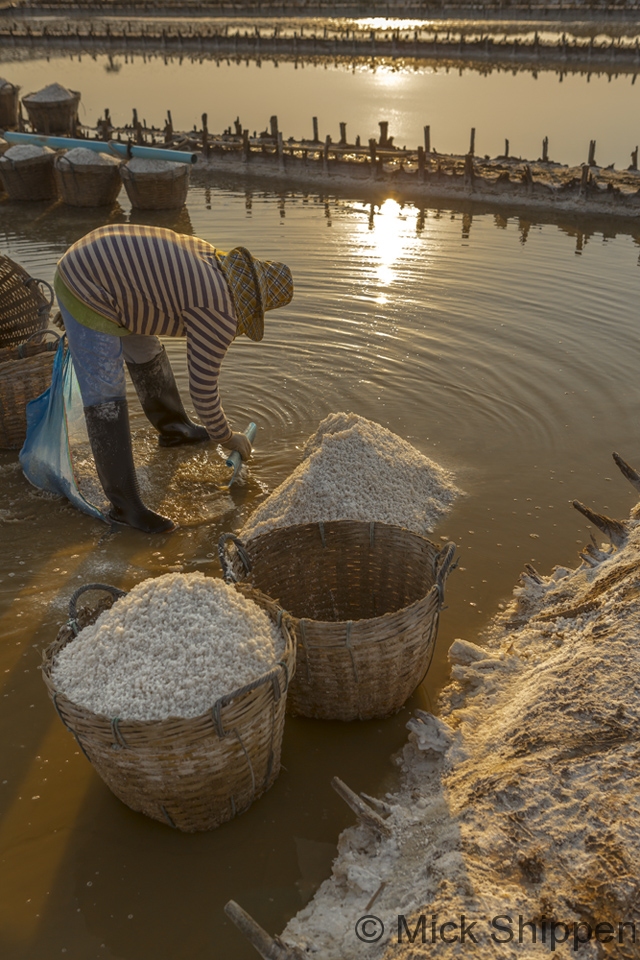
[83, 156]
[140, 165]
[355, 469]
[25, 151]
[50, 94]
[170, 648]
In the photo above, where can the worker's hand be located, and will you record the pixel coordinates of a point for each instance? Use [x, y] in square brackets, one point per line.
[238, 441]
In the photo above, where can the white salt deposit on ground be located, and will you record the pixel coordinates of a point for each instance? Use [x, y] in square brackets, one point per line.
[50, 94]
[85, 157]
[139, 165]
[522, 799]
[25, 151]
[170, 648]
[355, 469]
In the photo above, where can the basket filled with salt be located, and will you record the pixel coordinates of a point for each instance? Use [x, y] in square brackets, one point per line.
[25, 373]
[54, 109]
[9, 104]
[364, 601]
[86, 178]
[155, 184]
[176, 694]
[26, 171]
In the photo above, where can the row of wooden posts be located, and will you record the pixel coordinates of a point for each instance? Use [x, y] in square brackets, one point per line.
[382, 148]
[484, 47]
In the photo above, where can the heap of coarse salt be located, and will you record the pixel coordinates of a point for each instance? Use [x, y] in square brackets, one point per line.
[170, 648]
[4, 83]
[355, 469]
[25, 151]
[140, 165]
[82, 156]
[51, 94]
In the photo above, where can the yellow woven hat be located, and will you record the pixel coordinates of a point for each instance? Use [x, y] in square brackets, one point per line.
[256, 286]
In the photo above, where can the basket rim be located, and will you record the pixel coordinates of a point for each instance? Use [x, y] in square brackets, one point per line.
[286, 663]
[51, 103]
[446, 553]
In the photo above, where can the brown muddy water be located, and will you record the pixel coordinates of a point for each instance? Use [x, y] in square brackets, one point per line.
[506, 350]
[519, 105]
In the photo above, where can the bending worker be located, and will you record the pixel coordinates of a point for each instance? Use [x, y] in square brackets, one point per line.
[120, 287]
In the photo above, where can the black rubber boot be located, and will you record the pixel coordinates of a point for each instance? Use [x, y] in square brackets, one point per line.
[158, 393]
[110, 438]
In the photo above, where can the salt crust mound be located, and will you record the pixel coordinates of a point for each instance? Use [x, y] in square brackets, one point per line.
[83, 156]
[140, 165]
[355, 469]
[25, 151]
[50, 94]
[170, 648]
[523, 798]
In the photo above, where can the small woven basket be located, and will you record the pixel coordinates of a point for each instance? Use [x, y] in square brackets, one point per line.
[156, 190]
[193, 774]
[53, 116]
[24, 310]
[25, 373]
[364, 599]
[87, 185]
[9, 103]
[29, 179]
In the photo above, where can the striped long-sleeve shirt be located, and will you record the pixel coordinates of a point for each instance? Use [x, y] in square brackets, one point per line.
[153, 281]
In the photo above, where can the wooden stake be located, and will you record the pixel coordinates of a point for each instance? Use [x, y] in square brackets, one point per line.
[421, 164]
[592, 153]
[545, 150]
[274, 127]
[506, 149]
[315, 130]
[246, 147]
[205, 136]
[343, 133]
[269, 948]
[384, 131]
[427, 140]
[280, 152]
[360, 808]
[373, 157]
[472, 142]
[325, 156]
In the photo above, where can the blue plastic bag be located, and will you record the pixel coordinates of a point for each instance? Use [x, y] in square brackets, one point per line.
[55, 420]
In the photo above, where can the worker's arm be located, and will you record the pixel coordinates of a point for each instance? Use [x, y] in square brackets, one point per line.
[209, 335]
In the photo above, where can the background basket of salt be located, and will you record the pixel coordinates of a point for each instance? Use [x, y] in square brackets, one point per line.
[155, 184]
[8, 105]
[58, 115]
[24, 310]
[364, 599]
[89, 183]
[192, 774]
[25, 373]
[26, 172]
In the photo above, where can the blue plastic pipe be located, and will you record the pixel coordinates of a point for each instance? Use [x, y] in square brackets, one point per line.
[101, 146]
[234, 459]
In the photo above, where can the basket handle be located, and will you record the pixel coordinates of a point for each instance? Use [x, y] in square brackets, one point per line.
[73, 602]
[444, 565]
[42, 283]
[39, 333]
[227, 570]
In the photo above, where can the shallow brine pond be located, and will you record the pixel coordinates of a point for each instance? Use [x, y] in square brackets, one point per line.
[508, 351]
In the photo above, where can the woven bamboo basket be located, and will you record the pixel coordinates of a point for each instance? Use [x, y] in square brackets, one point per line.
[87, 185]
[364, 599]
[191, 774]
[9, 103]
[29, 179]
[24, 309]
[53, 116]
[25, 373]
[156, 190]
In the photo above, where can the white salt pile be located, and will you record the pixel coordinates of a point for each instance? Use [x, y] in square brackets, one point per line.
[4, 83]
[50, 94]
[82, 156]
[139, 165]
[25, 151]
[355, 469]
[170, 648]
[519, 806]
